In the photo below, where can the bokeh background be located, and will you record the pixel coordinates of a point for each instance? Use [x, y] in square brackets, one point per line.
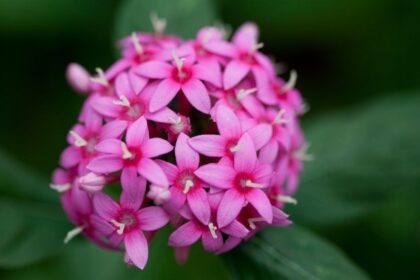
[358, 65]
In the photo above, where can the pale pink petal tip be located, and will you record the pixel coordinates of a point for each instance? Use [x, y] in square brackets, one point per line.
[78, 77]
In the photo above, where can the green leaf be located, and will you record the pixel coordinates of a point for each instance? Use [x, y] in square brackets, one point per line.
[363, 156]
[290, 253]
[31, 221]
[184, 17]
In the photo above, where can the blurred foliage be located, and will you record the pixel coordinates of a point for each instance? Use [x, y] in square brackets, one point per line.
[357, 63]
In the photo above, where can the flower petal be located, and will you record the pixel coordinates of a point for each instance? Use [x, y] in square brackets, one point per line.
[185, 235]
[155, 147]
[245, 158]
[261, 203]
[210, 243]
[269, 152]
[105, 206]
[123, 86]
[70, 157]
[208, 71]
[137, 248]
[209, 145]
[133, 188]
[228, 123]
[150, 170]
[235, 71]
[199, 204]
[170, 170]
[109, 146]
[164, 115]
[260, 135]
[137, 132]
[246, 36]
[196, 93]
[177, 200]
[113, 129]
[154, 69]
[230, 207]
[137, 82]
[152, 218]
[106, 164]
[216, 175]
[186, 157]
[165, 92]
[236, 229]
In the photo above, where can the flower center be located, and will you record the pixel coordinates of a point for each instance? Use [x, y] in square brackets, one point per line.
[181, 75]
[244, 181]
[232, 99]
[131, 155]
[186, 181]
[125, 221]
[248, 57]
[232, 146]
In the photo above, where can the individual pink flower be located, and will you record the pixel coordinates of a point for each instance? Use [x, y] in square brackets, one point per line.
[183, 75]
[84, 137]
[128, 219]
[243, 183]
[136, 152]
[230, 129]
[245, 57]
[185, 186]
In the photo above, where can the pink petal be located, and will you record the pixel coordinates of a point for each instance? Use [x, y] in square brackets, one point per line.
[229, 208]
[123, 86]
[152, 218]
[155, 147]
[165, 92]
[246, 36]
[70, 157]
[185, 235]
[105, 206]
[154, 69]
[245, 158]
[137, 248]
[101, 225]
[209, 145]
[228, 123]
[216, 175]
[93, 121]
[176, 201]
[230, 244]
[133, 188]
[280, 218]
[137, 82]
[170, 170]
[210, 243]
[221, 48]
[199, 204]
[208, 71]
[236, 229]
[109, 146]
[137, 132]
[150, 170]
[269, 152]
[235, 71]
[186, 157]
[78, 77]
[106, 164]
[263, 173]
[164, 115]
[113, 129]
[261, 203]
[106, 107]
[196, 93]
[260, 135]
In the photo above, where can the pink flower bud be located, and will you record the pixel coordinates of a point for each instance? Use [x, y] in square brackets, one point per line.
[92, 182]
[78, 77]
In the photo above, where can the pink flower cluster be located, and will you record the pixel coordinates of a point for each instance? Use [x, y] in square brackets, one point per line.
[200, 134]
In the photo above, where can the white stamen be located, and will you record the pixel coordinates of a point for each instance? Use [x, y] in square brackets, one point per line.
[302, 153]
[101, 79]
[256, 46]
[212, 229]
[126, 153]
[207, 36]
[290, 83]
[286, 199]
[249, 183]
[119, 225]
[188, 185]
[73, 233]
[176, 120]
[178, 61]
[235, 148]
[136, 43]
[78, 140]
[252, 221]
[159, 24]
[124, 101]
[60, 187]
[279, 118]
[242, 93]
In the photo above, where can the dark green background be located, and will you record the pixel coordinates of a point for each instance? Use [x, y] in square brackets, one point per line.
[358, 64]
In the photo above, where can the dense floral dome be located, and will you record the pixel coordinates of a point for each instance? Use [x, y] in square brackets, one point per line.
[199, 134]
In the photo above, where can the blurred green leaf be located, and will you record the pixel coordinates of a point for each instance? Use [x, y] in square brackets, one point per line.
[31, 222]
[184, 17]
[290, 253]
[362, 157]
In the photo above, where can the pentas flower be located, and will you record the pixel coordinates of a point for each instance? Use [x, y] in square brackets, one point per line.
[135, 153]
[200, 133]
